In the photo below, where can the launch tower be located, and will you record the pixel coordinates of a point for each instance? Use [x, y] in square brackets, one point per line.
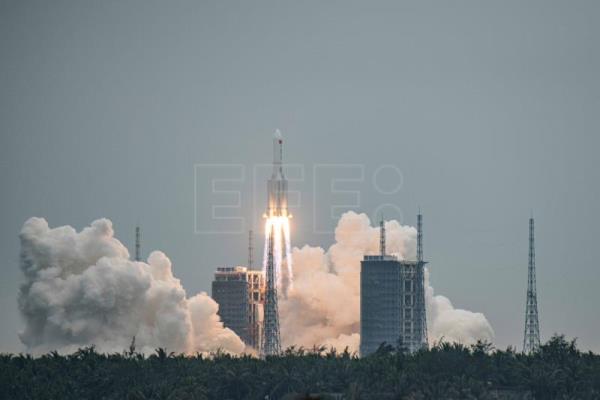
[277, 253]
[271, 344]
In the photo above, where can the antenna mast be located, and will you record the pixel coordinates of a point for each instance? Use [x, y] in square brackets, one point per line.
[250, 250]
[137, 243]
[381, 238]
[531, 338]
[421, 307]
[420, 237]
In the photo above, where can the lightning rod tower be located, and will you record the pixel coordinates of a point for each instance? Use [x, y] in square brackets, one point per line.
[137, 243]
[419, 237]
[531, 338]
[271, 343]
[381, 238]
[421, 307]
[250, 250]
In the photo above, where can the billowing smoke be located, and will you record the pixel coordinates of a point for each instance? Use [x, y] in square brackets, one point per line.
[453, 324]
[323, 307]
[81, 288]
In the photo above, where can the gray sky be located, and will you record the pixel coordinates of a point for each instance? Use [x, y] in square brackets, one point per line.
[488, 109]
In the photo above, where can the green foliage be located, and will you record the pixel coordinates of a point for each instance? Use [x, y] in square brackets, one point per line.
[446, 371]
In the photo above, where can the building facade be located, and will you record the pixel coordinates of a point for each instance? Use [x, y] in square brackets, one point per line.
[240, 295]
[392, 305]
[380, 302]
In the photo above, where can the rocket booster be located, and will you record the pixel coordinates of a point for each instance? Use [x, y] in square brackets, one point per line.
[277, 185]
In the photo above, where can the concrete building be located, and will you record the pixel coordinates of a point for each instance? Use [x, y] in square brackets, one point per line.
[392, 301]
[240, 295]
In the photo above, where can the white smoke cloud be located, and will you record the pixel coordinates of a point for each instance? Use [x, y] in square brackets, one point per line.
[453, 324]
[81, 288]
[323, 307]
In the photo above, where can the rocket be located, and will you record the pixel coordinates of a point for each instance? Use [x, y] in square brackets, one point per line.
[277, 186]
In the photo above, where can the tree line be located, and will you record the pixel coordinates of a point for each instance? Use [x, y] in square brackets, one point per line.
[558, 370]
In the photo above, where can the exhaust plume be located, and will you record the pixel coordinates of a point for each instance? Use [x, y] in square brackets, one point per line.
[323, 306]
[81, 288]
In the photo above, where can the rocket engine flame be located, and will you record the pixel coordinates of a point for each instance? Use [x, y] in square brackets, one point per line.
[278, 220]
[280, 227]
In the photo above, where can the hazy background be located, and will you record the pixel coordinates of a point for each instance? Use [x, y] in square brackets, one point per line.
[488, 109]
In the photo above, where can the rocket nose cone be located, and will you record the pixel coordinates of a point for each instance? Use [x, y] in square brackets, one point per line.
[277, 134]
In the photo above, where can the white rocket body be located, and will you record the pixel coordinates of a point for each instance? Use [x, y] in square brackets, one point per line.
[277, 186]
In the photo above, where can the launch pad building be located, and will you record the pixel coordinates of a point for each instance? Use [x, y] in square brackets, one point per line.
[392, 300]
[240, 291]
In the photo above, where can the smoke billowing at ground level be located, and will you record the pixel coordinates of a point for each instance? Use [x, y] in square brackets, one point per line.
[324, 305]
[81, 288]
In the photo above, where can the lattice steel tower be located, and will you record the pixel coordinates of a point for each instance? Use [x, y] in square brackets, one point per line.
[531, 338]
[137, 244]
[250, 250]
[271, 343]
[381, 238]
[421, 307]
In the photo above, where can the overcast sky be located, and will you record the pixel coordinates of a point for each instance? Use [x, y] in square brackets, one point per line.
[478, 112]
